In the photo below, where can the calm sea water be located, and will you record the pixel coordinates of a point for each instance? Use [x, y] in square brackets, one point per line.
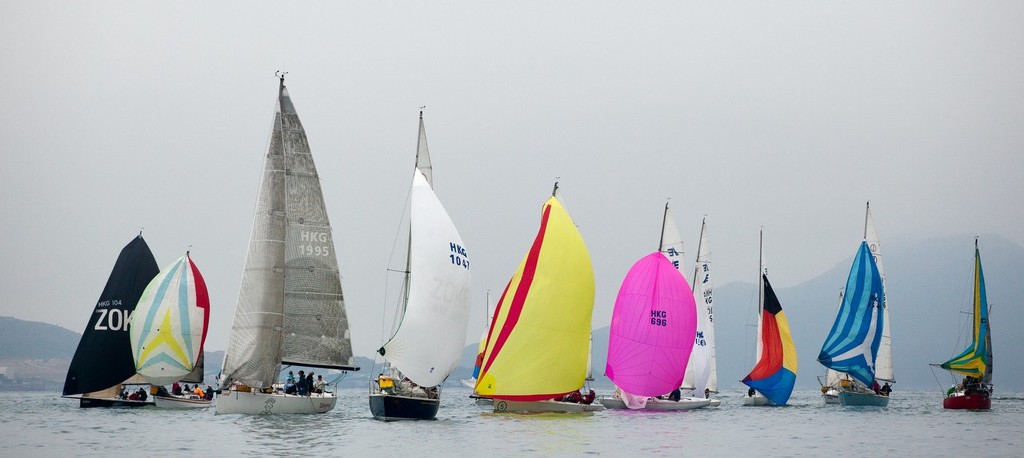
[914, 424]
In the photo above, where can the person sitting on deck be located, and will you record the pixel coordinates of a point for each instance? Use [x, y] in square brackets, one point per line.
[176, 389]
[707, 393]
[574, 397]
[750, 392]
[199, 392]
[589, 397]
[874, 387]
[385, 383]
[300, 385]
[674, 395]
[318, 386]
[886, 389]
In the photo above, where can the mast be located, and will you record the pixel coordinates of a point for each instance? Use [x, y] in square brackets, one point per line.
[664, 218]
[760, 291]
[696, 260]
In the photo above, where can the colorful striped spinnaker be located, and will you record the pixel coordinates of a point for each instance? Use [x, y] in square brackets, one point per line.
[652, 330]
[775, 373]
[852, 344]
[975, 360]
[539, 341]
[169, 325]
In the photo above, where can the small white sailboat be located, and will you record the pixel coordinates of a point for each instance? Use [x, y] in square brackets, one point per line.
[430, 332]
[858, 349]
[290, 308]
[702, 371]
[538, 344]
[168, 331]
[103, 361]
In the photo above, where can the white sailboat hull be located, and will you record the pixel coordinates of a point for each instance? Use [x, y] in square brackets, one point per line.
[503, 406]
[757, 400]
[659, 405]
[175, 402]
[238, 402]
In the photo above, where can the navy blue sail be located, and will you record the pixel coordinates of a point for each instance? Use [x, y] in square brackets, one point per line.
[852, 344]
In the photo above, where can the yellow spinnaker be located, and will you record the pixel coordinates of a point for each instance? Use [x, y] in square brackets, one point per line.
[538, 344]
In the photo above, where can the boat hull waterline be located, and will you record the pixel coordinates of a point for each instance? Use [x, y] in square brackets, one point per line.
[973, 401]
[390, 407]
[857, 399]
[253, 403]
[175, 402]
[505, 406]
[658, 405]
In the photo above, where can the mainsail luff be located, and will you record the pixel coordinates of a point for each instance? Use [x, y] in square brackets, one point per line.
[884, 367]
[290, 305]
[104, 357]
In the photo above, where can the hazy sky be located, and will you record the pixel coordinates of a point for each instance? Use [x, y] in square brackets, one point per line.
[786, 115]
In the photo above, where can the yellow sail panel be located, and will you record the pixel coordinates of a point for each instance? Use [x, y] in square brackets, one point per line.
[539, 340]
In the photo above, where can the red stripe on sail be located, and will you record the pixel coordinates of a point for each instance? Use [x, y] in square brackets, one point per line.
[494, 319]
[202, 301]
[771, 348]
[516, 307]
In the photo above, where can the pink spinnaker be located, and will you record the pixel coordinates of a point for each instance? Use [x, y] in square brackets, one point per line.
[653, 328]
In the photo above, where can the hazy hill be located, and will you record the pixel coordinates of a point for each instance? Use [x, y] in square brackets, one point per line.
[34, 340]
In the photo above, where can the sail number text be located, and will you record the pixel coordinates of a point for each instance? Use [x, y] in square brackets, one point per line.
[111, 319]
[311, 243]
[458, 255]
[659, 318]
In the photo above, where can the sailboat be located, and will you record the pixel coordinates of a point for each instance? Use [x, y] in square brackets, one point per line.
[773, 376]
[651, 335]
[481, 346]
[701, 371]
[975, 362]
[538, 344]
[168, 331]
[431, 332]
[858, 347]
[290, 308]
[103, 361]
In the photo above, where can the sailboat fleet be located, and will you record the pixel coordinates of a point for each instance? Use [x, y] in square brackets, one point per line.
[149, 326]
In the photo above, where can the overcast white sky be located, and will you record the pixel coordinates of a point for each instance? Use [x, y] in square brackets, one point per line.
[787, 115]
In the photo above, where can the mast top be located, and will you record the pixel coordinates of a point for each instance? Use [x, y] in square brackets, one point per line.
[280, 75]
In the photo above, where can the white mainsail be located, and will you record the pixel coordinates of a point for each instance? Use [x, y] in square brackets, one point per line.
[702, 371]
[429, 341]
[883, 361]
[290, 305]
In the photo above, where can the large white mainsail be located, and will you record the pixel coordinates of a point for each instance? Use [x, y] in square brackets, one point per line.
[702, 372]
[290, 306]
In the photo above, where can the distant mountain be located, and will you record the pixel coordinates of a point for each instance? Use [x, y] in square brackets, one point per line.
[34, 340]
